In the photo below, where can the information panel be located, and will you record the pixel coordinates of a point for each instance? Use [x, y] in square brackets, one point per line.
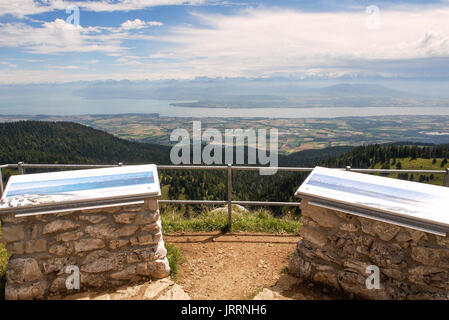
[412, 200]
[80, 186]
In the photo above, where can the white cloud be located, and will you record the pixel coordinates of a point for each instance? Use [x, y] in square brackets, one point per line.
[264, 42]
[21, 8]
[127, 5]
[58, 37]
[69, 67]
[251, 43]
[139, 24]
[10, 65]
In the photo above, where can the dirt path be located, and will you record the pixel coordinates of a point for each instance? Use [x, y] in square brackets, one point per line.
[231, 266]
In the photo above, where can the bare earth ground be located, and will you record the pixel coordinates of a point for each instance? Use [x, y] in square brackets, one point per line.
[239, 266]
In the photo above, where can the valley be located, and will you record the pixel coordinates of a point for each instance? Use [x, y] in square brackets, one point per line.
[295, 134]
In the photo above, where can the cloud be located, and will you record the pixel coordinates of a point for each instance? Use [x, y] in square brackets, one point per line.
[21, 8]
[10, 65]
[258, 42]
[409, 42]
[59, 36]
[139, 24]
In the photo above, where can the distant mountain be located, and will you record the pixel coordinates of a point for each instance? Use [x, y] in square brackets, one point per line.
[273, 93]
[351, 89]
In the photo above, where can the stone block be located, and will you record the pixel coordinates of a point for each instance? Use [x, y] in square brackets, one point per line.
[124, 274]
[92, 218]
[22, 270]
[69, 236]
[125, 218]
[99, 261]
[12, 233]
[354, 283]
[28, 291]
[387, 255]
[146, 218]
[327, 278]
[429, 276]
[431, 256]
[385, 231]
[16, 247]
[59, 226]
[84, 245]
[403, 236]
[314, 236]
[101, 231]
[91, 280]
[127, 231]
[299, 267]
[64, 249]
[324, 217]
[349, 227]
[157, 269]
[116, 244]
[151, 227]
[33, 246]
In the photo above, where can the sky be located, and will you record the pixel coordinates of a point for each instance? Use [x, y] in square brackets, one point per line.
[66, 41]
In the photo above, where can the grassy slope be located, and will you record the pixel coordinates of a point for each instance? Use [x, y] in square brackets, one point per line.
[259, 220]
[420, 164]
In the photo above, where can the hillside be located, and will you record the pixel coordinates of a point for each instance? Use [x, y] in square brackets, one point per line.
[67, 142]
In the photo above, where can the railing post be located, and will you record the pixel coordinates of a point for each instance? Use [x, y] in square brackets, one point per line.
[229, 196]
[446, 178]
[20, 168]
[1, 182]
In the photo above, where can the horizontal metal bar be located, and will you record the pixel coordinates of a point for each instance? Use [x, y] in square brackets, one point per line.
[171, 167]
[209, 202]
[68, 166]
[248, 203]
[395, 171]
[199, 167]
[267, 203]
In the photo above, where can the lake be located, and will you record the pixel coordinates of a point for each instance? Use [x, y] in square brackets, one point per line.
[63, 104]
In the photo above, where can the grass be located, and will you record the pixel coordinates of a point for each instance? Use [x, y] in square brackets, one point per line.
[174, 259]
[284, 270]
[418, 164]
[4, 257]
[252, 295]
[260, 220]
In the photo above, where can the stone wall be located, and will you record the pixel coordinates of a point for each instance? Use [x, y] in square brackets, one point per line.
[336, 249]
[113, 246]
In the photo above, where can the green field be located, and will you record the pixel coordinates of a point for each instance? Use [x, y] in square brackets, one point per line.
[419, 164]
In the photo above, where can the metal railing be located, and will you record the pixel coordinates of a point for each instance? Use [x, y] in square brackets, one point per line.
[21, 167]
